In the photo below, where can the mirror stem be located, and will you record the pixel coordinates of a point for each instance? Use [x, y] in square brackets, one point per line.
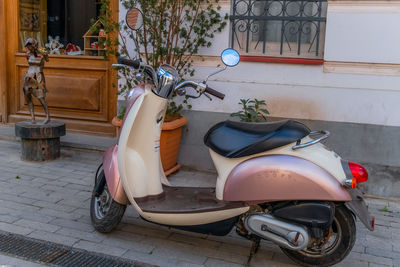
[216, 72]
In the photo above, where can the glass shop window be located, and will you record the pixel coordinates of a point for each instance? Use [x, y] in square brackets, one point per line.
[61, 27]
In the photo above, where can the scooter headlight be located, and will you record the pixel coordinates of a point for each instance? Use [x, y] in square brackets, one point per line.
[167, 79]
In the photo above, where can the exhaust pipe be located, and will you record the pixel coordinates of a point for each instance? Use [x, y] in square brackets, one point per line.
[284, 234]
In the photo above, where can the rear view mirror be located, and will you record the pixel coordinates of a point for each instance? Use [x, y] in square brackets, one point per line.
[230, 57]
[134, 19]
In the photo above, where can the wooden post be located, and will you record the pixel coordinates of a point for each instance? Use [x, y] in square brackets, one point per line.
[40, 142]
[3, 65]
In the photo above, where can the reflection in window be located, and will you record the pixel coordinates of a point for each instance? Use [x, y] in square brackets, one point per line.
[58, 25]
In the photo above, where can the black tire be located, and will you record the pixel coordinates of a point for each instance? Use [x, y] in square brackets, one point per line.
[105, 218]
[344, 228]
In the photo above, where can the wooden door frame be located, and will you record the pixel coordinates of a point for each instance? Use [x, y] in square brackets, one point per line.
[3, 66]
[9, 47]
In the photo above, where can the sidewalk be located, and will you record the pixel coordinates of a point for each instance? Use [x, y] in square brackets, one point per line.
[50, 201]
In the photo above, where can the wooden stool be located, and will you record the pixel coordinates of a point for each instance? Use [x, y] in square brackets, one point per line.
[40, 142]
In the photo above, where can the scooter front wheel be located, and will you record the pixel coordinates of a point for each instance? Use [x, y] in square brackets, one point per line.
[105, 212]
[337, 247]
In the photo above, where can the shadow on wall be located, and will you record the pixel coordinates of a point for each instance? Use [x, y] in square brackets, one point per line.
[304, 108]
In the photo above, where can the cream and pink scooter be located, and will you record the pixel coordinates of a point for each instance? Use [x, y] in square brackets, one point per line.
[276, 181]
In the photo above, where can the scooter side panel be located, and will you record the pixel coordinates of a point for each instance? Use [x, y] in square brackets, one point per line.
[281, 177]
[110, 167]
[317, 154]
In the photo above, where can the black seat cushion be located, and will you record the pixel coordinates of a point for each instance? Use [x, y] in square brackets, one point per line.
[238, 139]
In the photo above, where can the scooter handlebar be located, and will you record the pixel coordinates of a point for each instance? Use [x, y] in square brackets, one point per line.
[132, 63]
[214, 93]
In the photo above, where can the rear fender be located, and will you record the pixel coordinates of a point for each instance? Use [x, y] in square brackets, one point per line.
[360, 209]
[281, 178]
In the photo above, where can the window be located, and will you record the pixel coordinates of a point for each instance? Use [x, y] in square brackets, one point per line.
[58, 25]
[285, 28]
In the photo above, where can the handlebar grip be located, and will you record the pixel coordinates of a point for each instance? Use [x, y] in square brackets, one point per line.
[214, 93]
[128, 62]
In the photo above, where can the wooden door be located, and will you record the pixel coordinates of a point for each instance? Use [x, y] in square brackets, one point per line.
[80, 87]
[3, 69]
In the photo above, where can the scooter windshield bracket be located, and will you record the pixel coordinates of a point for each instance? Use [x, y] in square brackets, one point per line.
[325, 134]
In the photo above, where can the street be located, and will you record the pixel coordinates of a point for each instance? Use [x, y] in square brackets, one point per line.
[50, 201]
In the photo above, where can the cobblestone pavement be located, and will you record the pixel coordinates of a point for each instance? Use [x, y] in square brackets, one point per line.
[50, 201]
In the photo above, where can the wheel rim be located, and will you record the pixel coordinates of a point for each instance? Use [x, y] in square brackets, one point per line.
[330, 246]
[102, 204]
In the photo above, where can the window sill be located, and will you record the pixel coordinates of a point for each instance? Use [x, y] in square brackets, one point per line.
[303, 61]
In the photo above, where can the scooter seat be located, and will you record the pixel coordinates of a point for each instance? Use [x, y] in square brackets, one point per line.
[239, 139]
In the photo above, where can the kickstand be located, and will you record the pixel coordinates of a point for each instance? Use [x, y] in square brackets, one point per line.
[253, 250]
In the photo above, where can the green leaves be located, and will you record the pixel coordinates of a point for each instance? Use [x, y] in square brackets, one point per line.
[172, 32]
[253, 110]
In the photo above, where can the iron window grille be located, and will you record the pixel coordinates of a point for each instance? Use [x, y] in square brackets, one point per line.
[285, 28]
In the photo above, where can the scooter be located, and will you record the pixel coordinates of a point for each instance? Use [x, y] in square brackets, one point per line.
[276, 180]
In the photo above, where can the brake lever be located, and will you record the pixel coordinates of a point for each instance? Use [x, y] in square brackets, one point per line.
[192, 96]
[209, 97]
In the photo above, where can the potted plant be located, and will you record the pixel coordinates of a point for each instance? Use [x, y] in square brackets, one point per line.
[172, 32]
[252, 110]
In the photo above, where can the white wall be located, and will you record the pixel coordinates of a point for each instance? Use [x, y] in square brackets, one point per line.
[354, 34]
[366, 33]
[305, 91]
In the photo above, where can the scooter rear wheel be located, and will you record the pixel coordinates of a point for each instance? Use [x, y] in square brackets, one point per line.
[338, 246]
[105, 212]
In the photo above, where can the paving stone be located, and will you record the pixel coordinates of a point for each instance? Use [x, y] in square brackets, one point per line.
[53, 237]
[379, 265]
[129, 241]
[382, 253]
[133, 228]
[153, 259]
[194, 240]
[12, 228]
[76, 203]
[73, 225]
[100, 248]
[36, 217]
[37, 225]
[62, 189]
[371, 258]
[219, 263]
[186, 254]
[38, 194]
[8, 218]
[55, 206]
[17, 199]
[347, 262]
[18, 206]
[46, 212]
[93, 237]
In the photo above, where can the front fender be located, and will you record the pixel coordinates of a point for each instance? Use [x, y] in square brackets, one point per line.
[282, 178]
[114, 184]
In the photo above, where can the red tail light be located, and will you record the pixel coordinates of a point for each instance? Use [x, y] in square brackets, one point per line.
[360, 174]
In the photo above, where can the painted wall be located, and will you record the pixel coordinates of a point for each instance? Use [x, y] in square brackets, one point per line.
[358, 103]
[363, 32]
[355, 33]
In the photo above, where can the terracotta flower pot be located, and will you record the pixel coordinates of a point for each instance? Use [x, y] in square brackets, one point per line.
[117, 123]
[170, 142]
